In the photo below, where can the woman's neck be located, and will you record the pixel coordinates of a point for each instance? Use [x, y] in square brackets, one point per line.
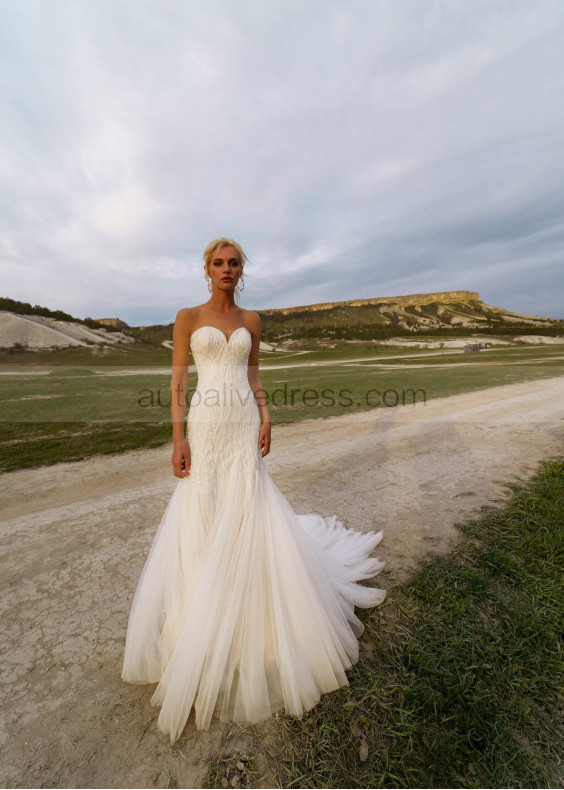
[222, 301]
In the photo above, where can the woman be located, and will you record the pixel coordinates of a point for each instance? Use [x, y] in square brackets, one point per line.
[243, 607]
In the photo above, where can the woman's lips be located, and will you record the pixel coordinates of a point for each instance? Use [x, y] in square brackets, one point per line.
[227, 279]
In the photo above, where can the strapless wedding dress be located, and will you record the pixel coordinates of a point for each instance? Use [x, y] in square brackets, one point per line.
[243, 607]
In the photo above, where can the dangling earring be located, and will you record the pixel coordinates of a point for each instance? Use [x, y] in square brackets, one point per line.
[210, 284]
[241, 280]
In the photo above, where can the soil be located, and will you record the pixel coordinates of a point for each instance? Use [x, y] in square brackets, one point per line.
[75, 536]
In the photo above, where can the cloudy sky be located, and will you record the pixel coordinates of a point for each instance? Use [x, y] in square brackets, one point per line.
[366, 148]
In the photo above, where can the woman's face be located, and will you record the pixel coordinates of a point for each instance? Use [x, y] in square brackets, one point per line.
[225, 269]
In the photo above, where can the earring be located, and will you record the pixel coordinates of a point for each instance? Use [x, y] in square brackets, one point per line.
[241, 280]
[210, 284]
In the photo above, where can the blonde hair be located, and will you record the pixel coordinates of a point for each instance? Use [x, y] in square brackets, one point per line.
[216, 245]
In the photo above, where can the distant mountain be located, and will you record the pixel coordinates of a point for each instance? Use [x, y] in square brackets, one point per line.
[25, 308]
[37, 332]
[444, 314]
[447, 314]
[116, 323]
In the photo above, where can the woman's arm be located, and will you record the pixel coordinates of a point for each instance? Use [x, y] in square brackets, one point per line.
[256, 386]
[178, 390]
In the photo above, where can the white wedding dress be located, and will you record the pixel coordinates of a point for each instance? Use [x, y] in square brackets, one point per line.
[243, 607]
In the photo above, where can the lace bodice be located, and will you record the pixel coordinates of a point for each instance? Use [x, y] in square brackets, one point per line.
[221, 362]
[223, 419]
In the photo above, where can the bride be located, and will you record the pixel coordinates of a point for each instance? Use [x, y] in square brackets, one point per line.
[243, 607]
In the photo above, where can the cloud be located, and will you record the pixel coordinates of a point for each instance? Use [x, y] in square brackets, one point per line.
[363, 149]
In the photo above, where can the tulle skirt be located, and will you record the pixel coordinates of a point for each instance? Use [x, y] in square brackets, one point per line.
[243, 607]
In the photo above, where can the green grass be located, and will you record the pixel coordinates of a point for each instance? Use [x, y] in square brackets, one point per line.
[340, 354]
[539, 354]
[106, 407]
[460, 679]
[108, 356]
[29, 445]
[360, 388]
[84, 395]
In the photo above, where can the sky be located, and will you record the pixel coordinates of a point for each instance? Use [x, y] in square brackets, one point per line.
[359, 149]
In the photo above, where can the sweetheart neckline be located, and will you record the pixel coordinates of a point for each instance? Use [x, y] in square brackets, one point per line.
[227, 339]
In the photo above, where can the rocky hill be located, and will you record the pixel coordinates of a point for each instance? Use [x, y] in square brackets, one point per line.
[37, 332]
[445, 297]
[448, 313]
[116, 323]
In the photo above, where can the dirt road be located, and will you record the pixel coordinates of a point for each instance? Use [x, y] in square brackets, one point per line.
[74, 538]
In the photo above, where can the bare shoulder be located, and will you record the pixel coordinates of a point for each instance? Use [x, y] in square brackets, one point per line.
[187, 317]
[252, 320]
[183, 315]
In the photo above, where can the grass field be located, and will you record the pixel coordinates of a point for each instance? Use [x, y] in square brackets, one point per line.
[66, 413]
[118, 356]
[460, 678]
[537, 354]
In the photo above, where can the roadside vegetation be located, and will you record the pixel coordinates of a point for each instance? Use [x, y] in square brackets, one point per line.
[460, 678]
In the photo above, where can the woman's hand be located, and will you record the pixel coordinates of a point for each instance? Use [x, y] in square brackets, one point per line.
[264, 438]
[181, 460]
